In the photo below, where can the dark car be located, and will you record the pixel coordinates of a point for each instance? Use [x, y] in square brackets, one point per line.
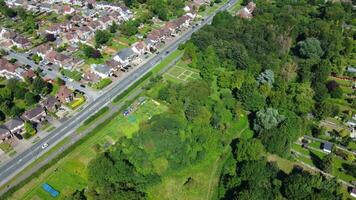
[81, 85]
[114, 75]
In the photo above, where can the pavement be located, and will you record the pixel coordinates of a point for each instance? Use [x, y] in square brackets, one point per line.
[22, 160]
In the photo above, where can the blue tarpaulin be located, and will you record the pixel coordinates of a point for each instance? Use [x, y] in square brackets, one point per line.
[50, 189]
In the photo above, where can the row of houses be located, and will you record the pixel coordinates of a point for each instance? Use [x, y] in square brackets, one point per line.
[10, 38]
[12, 71]
[15, 126]
[153, 40]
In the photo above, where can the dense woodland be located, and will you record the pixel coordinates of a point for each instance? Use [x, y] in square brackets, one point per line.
[275, 68]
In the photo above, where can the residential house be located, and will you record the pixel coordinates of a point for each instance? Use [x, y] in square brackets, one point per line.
[140, 48]
[35, 115]
[28, 74]
[94, 25]
[55, 29]
[51, 104]
[42, 50]
[83, 33]
[125, 56]
[199, 3]
[113, 64]
[103, 71]
[15, 125]
[65, 95]
[327, 147]
[63, 61]
[68, 10]
[246, 12]
[21, 42]
[353, 192]
[105, 21]
[4, 134]
[8, 70]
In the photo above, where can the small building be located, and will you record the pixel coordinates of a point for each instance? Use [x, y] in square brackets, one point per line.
[139, 47]
[51, 103]
[4, 134]
[15, 125]
[103, 71]
[353, 192]
[35, 115]
[125, 56]
[65, 95]
[327, 147]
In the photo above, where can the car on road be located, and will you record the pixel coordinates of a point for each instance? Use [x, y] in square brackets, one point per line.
[50, 69]
[82, 85]
[45, 145]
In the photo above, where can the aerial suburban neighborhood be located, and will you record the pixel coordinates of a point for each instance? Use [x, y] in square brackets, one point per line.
[177, 99]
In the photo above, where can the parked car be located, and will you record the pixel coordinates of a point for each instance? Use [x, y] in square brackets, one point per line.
[82, 85]
[45, 145]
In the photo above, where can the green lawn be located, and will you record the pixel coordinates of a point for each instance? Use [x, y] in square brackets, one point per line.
[102, 83]
[73, 74]
[76, 103]
[70, 172]
[5, 147]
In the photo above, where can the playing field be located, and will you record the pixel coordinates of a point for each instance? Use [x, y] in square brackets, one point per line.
[70, 173]
[181, 73]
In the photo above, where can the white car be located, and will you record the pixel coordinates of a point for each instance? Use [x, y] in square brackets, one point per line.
[45, 145]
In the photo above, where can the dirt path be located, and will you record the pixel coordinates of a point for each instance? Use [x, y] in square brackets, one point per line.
[213, 182]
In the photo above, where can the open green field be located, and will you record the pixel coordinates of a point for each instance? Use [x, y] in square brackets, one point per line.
[204, 175]
[70, 172]
[181, 73]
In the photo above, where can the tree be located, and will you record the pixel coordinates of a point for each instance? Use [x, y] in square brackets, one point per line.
[250, 149]
[40, 86]
[129, 28]
[267, 119]
[327, 163]
[101, 37]
[113, 28]
[15, 111]
[90, 52]
[30, 130]
[350, 169]
[334, 89]
[310, 48]
[2, 116]
[30, 98]
[50, 38]
[266, 77]
[250, 97]
[302, 97]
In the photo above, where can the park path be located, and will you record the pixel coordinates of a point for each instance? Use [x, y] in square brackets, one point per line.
[212, 181]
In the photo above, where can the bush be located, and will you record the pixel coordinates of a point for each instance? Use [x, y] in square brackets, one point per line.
[96, 115]
[132, 87]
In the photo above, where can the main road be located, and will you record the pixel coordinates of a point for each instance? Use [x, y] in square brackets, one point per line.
[19, 162]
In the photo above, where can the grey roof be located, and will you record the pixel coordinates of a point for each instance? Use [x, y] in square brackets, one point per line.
[3, 130]
[13, 123]
[351, 69]
[50, 102]
[34, 112]
[126, 53]
[103, 69]
[327, 146]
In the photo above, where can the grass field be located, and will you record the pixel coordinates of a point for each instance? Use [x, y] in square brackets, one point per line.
[203, 178]
[70, 172]
[181, 73]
